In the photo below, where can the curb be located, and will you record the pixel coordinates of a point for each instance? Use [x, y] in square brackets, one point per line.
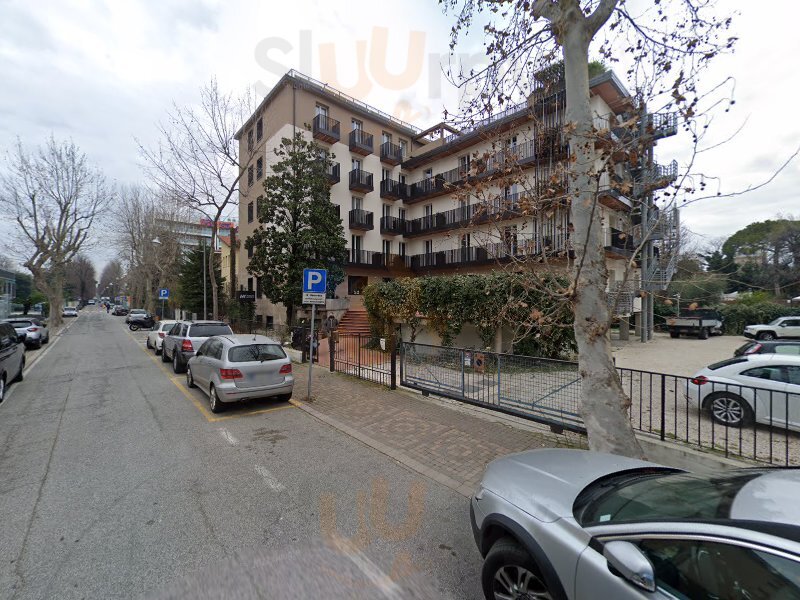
[464, 488]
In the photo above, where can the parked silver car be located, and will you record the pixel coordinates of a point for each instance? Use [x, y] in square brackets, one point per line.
[12, 357]
[185, 338]
[155, 339]
[237, 367]
[35, 331]
[584, 525]
[136, 312]
[69, 311]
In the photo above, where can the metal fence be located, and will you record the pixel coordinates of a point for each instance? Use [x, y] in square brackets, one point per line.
[362, 356]
[671, 407]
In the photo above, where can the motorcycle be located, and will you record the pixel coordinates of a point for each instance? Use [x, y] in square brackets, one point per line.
[138, 323]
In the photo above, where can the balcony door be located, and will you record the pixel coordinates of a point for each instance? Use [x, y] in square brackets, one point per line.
[322, 111]
[356, 203]
[356, 162]
[356, 248]
[386, 211]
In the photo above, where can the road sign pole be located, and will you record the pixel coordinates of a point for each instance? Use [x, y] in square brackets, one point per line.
[311, 350]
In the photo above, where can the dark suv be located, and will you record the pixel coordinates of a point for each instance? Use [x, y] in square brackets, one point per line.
[185, 338]
[12, 357]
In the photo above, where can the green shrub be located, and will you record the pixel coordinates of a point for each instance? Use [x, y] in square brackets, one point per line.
[740, 314]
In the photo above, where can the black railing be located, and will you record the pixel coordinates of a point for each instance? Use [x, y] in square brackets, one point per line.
[369, 258]
[449, 219]
[622, 241]
[393, 190]
[365, 357]
[361, 219]
[727, 419]
[520, 249]
[360, 141]
[361, 180]
[333, 173]
[391, 153]
[392, 225]
[326, 128]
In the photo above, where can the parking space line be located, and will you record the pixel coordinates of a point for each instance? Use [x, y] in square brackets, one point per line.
[228, 436]
[269, 479]
[179, 383]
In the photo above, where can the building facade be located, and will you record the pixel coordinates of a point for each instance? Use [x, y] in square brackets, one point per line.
[443, 200]
[8, 291]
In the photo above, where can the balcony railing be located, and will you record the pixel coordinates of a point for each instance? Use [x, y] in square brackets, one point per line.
[393, 190]
[369, 259]
[326, 129]
[450, 219]
[360, 142]
[620, 242]
[654, 177]
[361, 181]
[392, 225]
[391, 153]
[361, 219]
[333, 173]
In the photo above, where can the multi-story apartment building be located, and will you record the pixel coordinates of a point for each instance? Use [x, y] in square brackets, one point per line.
[446, 200]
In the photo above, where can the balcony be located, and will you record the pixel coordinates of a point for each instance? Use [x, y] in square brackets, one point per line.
[619, 243]
[450, 219]
[392, 225]
[393, 190]
[326, 129]
[361, 181]
[370, 259]
[333, 173]
[360, 142]
[391, 153]
[654, 177]
[361, 219]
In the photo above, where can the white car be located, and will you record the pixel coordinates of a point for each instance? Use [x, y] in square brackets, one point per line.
[155, 339]
[782, 327]
[69, 311]
[759, 387]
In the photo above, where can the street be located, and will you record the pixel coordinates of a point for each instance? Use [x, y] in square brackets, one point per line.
[116, 482]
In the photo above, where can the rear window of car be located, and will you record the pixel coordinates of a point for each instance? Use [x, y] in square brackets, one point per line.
[209, 329]
[20, 323]
[726, 363]
[790, 349]
[253, 352]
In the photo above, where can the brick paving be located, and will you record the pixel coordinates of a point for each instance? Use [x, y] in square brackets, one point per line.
[438, 440]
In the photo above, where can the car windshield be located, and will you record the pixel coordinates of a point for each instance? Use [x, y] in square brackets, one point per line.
[253, 352]
[209, 329]
[776, 321]
[647, 497]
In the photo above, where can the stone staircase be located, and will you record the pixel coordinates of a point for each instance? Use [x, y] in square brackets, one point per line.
[354, 322]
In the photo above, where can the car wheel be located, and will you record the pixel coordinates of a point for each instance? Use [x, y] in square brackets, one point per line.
[20, 376]
[2, 389]
[164, 357]
[189, 377]
[729, 409]
[148, 344]
[213, 401]
[703, 335]
[36, 345]
[767, 336]
[509, 572]
[283, 397]
[176, 363]
[674, 334]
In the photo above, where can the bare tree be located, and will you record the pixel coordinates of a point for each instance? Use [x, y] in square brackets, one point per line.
[671, 43]
[80, 276]
[198, 158]
[55, 197]
[111, 279]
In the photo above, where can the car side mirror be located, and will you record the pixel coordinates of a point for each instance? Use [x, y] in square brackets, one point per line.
[626, 560]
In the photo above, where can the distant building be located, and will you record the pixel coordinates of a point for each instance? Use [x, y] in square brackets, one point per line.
[8, 291]
[225, 262]
[192, 235]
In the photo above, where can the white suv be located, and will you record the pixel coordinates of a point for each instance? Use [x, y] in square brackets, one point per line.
[782, 327]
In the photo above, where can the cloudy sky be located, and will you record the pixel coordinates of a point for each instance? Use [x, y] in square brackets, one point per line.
[103, 72]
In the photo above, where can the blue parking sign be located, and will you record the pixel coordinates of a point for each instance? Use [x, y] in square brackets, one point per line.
[163, 294]
[315, 280]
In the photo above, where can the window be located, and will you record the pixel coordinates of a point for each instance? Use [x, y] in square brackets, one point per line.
[770, 373]
[387, 247]
[250, 175]
[463, 163]
[322, 110]
[428, 246]
[386, 210]
[250, 140]
[401, 213]
[356, 242]
[356, 284]
[259, 129]
[250, 252]
[790, 349]
[465, 240]
[793, 373]
[357, 125]
[249, 284]
[386, 137]
[356, 203]
[401, 248]
[428, 173]
[259, 168]
[403, 148]
[256, 352]
[258, 287]
[209, 329]
[429, 210]
[356, 162]
[250, 212]
[403, 179]
[385, 174]
[270, 321]
[691, 568]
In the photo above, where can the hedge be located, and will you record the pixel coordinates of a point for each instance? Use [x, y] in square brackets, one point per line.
[737, 316]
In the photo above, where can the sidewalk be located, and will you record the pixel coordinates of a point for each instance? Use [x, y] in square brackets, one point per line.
[447, 444]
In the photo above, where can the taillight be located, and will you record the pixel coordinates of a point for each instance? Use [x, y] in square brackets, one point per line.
[699, 380]
[754, 349]
[186, 346]
[32, 329]
[230, 374]
[161, 334]
[286, 369]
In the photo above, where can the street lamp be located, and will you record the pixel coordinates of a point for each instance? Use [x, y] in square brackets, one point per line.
[157, 242]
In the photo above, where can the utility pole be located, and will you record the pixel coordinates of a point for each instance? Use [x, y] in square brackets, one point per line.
[205, 274]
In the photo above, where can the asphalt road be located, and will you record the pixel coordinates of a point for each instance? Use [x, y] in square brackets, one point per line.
[116, 482]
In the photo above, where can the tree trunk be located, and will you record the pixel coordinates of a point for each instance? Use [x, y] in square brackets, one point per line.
[604, 405]
[289, 314]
